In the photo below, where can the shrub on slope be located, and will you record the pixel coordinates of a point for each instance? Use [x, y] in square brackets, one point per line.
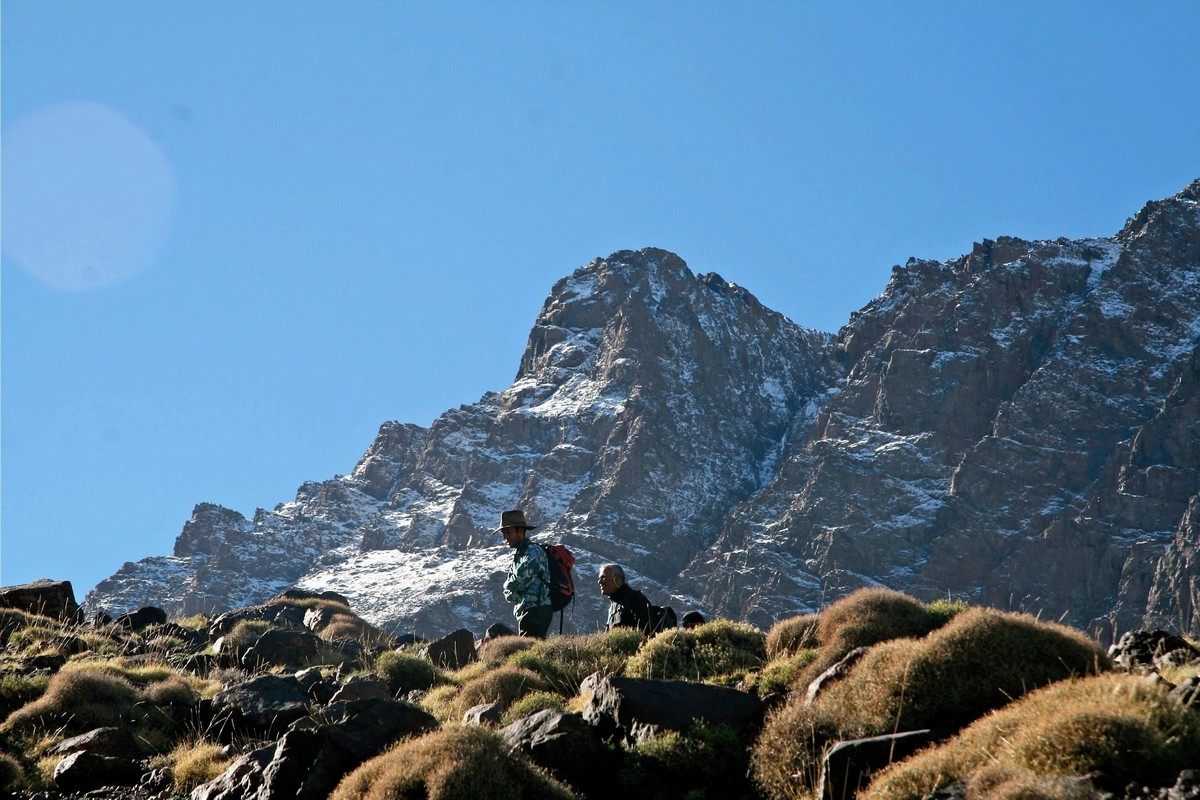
[451, 764]
[979, 661]
[1121, 727]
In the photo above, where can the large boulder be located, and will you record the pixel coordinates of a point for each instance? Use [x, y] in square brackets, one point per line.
[564, 744]
[311, 758]
[292, 649]
[46, 597]
[267, 705]
[453, 651]
[82, 771]
[141, 619]
[635, 709]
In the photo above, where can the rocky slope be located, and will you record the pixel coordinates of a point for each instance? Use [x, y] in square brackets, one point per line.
[1017, 427]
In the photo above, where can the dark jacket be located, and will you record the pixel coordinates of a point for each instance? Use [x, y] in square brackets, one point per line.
[629, 609]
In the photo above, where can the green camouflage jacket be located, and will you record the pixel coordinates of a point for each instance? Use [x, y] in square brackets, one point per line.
[528, 581]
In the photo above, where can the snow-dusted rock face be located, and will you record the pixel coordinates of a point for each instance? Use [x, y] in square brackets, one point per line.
[649, 402]
[1018, 427]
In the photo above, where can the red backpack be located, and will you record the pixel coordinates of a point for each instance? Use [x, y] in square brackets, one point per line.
[562, 584]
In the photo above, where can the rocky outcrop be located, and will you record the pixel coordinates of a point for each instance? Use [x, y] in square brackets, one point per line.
[1016, 427]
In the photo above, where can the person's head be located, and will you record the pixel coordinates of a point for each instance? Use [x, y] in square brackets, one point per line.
[513, 527]
[611, 578]
[692, 619]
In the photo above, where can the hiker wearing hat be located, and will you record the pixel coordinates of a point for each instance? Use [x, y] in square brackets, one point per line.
[527, 586]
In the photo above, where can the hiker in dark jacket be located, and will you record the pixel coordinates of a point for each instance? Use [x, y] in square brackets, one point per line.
[630, 608]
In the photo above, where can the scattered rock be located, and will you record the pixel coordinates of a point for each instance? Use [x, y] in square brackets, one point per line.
[453, 651]
[113, 742]
[634, 709]
[834, 673]
[82, 771]
[484, 715]
[566, 745]
[46, 597]
[1142, 648]
[849, 765]
[141, 619]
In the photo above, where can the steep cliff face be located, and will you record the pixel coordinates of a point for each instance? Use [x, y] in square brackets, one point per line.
[1006, 432]
[1017, 427]
[649, 401]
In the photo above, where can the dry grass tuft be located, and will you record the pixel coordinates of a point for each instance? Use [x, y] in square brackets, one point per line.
[1120, 726]
[196, 762]
[450, 764]
[503, 685]
[564, 661]
[864, 618]
[713, 650]
[440, 702]
[495, 652]
[12, 774]
[531, 704]
[978, 662]
[405, 672]
[791, 635]
[75, 701]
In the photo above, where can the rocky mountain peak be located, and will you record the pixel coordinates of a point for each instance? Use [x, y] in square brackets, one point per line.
[1015, 427]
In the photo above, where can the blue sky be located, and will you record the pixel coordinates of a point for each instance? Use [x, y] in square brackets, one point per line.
[237, 237]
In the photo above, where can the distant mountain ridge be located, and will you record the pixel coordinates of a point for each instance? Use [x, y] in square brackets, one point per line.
[1019, 427]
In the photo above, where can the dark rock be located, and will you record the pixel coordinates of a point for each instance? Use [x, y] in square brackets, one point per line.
[294, 594]
[834, 673]
[362, 687]
[1142, 648]
[141, 619]
[242, 781]
[453, 651]
[115, 742]
[317, 618]
[310, 759]
[266, 704]
[565, 745]
[82, 771]
[282, 648]
[496, 630]
[849, 765]
[45, 597]
[483, 715]
[634, 709]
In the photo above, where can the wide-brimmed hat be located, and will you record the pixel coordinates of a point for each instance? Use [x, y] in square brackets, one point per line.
[514, 519]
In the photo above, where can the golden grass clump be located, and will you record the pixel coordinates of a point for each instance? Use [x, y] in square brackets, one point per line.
[496, 651]
[564, 661]
[76, 701]
[533, 703]
[1121, 726]
[439, 701]
[12, 619]
[405, 672]
[194, 763]
[778, 675]
[790, 635]
[503, 686]
[864, 618]
[705, 761]
[716, 649]
[345, 624]
[464, 763]
[17, 689]
[981, 660]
